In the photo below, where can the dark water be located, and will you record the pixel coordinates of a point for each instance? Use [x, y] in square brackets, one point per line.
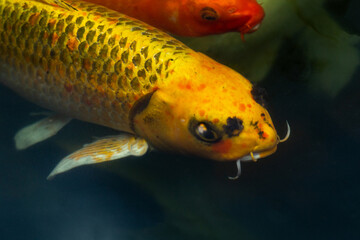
[308, 189]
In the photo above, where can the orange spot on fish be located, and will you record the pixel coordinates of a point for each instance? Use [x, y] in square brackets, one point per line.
[244, 145]
[96, 17]
[33, 19]
[61, 71]
[242, 107]
[202, 113]
[249, 105]
[265, 135]
[46, 35]
[201, 87]
[87, 64]
[181, 85]
[54, 38]
[131, 66]
[117, 37]
[207, 66]
[101, 90]
[223, 146]
[168, 113]
[72, 43]
[112, 21]
[51, 23]
[216, 120]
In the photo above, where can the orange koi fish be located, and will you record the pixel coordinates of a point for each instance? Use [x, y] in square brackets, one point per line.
[193, 17]
[86, 62]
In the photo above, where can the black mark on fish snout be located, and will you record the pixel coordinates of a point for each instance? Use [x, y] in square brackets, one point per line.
[233, 126]
[259, 95]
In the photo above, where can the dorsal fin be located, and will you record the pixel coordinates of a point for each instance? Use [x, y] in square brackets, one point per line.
[60, 3]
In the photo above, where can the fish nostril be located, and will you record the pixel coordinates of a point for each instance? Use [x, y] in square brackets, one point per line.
[232, 10]
[259, 95]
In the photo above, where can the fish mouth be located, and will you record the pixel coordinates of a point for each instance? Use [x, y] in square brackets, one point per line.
[256, 155]
[254, 28]
[247, 28]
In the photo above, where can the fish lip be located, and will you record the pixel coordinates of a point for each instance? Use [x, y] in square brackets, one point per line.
[247, 28]
[255, 155]
[258, 154]
[254, 28]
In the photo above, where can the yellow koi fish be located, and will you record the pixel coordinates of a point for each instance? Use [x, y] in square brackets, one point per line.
[86, 62]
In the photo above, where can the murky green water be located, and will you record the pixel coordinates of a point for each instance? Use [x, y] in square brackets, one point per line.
[307, 57]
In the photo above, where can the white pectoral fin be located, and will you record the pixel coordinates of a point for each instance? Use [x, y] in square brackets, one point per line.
[39, 131]
[102, 150]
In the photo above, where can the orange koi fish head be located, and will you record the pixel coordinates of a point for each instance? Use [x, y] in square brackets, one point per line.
[208, 110]
[221, 16]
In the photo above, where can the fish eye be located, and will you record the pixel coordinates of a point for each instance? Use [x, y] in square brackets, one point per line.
[209, 14]
[204, 131]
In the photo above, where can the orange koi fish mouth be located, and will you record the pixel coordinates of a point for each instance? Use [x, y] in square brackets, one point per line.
[248, 29]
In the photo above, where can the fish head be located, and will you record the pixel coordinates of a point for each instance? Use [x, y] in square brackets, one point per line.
[217, 16]
[208, 110]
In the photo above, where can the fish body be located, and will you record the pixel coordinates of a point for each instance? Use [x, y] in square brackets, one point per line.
[193, 17]
[90, 63]
[83, 63]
